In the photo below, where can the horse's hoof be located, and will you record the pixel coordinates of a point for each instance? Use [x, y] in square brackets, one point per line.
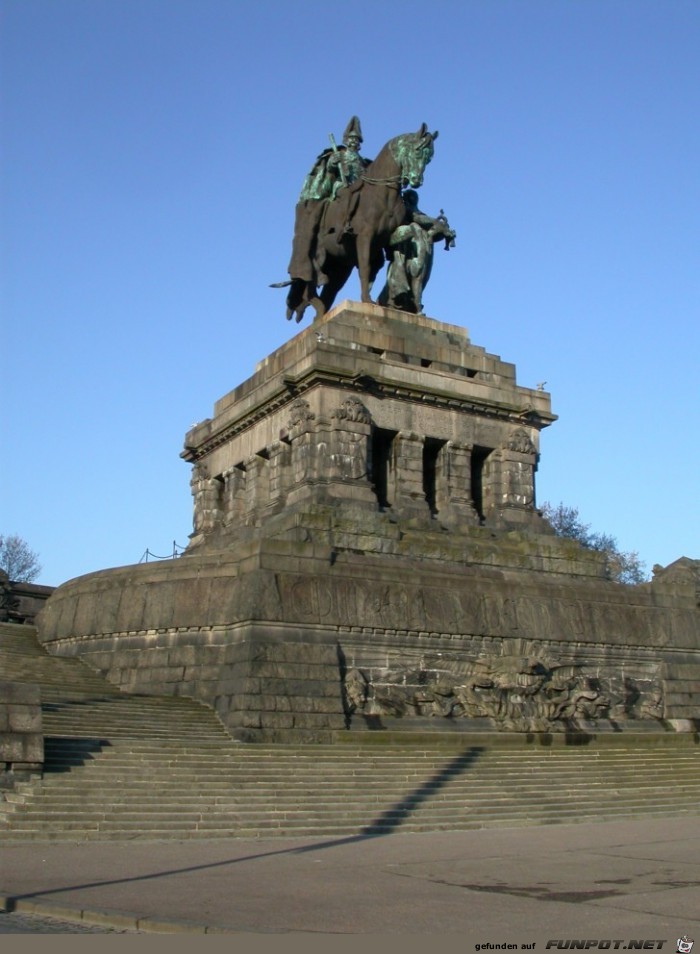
[290, 313]
[319, 308]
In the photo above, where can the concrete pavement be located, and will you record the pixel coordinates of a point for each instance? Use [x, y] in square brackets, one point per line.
[623, 880]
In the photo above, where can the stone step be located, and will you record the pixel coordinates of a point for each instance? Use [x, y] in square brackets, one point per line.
[104, 763]
[213, 738]
[154, 702]
[358, 813]
[120, 710]
[123, 766]
[345, 808]
[255, 826]
[97, 776]
[467, 793]
[29, 835]
[191, 734]
[133, 703]
[251, 789]
[78, 722]
[316, 826]
[126, 704]
[467, 789]
[107, 751]
[108, 759]
[219, 741]
[52, 669]
[384, 788]
[342, 808]
[365, 815]
[181, 773]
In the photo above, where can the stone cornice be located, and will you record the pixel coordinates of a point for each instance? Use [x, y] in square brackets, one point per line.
[363, 381]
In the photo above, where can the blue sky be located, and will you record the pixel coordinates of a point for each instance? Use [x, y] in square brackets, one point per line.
[152, 153]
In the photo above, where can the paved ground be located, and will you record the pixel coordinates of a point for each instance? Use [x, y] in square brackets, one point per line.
[14, 923]
[633, 880]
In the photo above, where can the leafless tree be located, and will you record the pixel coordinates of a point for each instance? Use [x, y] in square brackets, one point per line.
[17, 559]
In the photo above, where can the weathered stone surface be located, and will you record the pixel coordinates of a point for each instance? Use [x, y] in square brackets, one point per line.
[21, 733]
[19, 601]
[367, 551]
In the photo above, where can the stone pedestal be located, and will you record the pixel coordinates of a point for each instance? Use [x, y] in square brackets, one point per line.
[370, 405]
[367, 552]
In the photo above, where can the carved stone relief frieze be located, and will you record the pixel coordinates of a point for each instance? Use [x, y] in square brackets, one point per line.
[511, 691]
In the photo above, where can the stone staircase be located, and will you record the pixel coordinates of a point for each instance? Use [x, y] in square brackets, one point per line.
[124, 766]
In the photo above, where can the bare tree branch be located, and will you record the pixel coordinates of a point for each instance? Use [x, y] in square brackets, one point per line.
[17, 560]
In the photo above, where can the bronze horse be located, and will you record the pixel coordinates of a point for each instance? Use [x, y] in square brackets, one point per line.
[354, 228]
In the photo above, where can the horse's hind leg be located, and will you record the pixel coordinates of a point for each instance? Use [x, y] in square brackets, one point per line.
[301, 295]
[318, 306]
[330, 291]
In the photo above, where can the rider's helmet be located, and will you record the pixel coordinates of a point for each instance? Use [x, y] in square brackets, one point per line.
[353, 130]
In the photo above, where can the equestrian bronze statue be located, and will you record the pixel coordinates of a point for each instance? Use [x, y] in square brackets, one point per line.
[347, 213]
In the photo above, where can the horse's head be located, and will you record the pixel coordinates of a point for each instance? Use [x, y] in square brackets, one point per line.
[413, 152]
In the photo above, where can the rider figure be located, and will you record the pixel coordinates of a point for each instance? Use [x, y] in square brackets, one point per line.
[334, 169]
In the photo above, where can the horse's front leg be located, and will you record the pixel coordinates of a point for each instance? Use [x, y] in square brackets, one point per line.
[364, 266]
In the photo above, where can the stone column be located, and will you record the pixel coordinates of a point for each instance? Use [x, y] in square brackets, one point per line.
[453, 485]
[280, 465]
[257, 486]
[234, 495]
[301, 433]
[207, 493]
[408, 493]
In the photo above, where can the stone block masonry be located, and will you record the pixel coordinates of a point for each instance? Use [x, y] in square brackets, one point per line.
[367, 554]
[21, 735]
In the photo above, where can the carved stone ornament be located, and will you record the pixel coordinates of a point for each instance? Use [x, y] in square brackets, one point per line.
[352, 409]
[514, 692]
[299, 413]
[521, 443]
[354, 690]
[683, 572]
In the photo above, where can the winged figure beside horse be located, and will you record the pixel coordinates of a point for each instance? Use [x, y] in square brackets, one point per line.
[353, 213]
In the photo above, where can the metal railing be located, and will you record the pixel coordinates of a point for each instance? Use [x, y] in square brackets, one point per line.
[177, 551]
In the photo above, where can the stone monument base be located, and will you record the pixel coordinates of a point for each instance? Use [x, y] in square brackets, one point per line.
[367, 556]
[297, 639]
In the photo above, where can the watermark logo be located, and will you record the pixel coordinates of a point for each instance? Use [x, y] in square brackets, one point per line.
[608, 945]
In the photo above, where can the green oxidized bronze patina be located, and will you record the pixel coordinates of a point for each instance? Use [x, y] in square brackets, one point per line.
[335, 167]
[347, 215]
[412, 256]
